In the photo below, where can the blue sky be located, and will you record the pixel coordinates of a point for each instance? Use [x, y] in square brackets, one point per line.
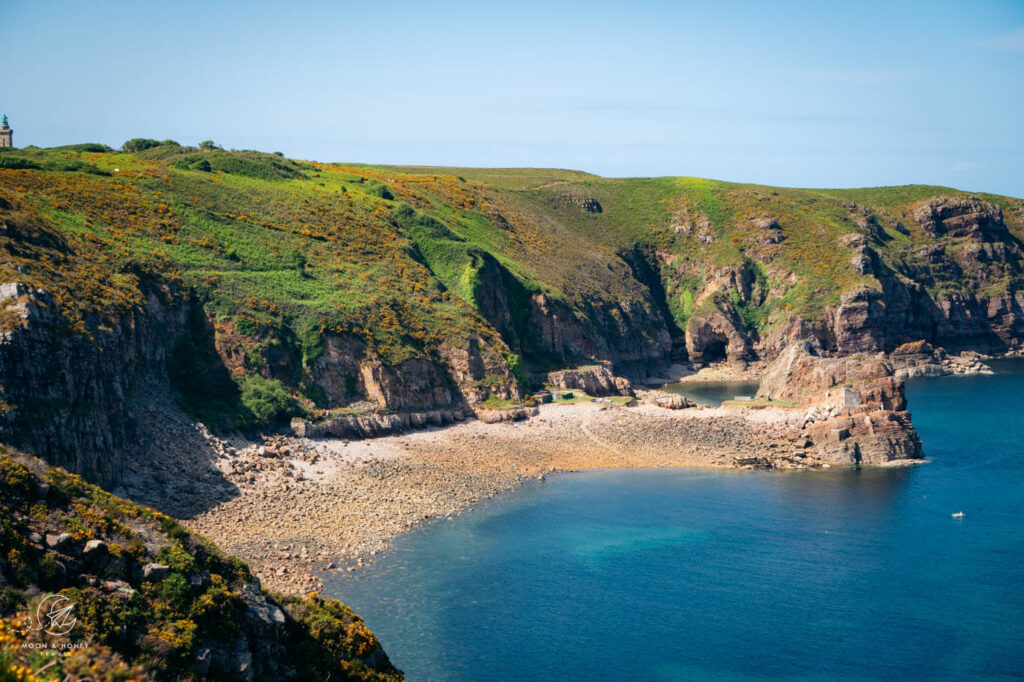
[821, 94]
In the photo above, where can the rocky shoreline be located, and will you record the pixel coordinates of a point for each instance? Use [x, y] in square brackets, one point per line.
[305, 506]
[309, 506]
[295, 507]
[921, 359]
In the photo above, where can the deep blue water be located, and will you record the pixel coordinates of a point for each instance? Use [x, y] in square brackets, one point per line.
[697, 575]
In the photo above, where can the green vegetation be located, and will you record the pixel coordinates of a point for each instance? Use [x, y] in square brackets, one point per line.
[154, 628]
[268, 400]
[7, 161]
[494, 403]
[280, 254]
[139, 144]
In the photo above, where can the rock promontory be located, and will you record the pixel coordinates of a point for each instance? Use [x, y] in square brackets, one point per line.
[854, 408]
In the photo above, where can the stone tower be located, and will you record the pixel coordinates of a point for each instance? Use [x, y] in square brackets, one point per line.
[6, 134]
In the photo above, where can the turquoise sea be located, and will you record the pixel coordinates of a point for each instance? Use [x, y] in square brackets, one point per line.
[689, 574]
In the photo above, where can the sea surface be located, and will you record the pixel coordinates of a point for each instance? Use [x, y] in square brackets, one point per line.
[714, 393]
[690, 574]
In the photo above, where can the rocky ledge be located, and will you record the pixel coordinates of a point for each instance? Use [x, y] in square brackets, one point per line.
[595, 380]
[376, 423]
[854, 408]
[921, 359]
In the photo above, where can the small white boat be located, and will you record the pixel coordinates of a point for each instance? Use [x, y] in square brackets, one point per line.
[958, 515]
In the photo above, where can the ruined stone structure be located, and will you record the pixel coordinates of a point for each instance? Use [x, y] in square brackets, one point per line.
[6, 133]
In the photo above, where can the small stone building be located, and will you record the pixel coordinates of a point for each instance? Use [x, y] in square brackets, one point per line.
[6, 133]
[850, 397]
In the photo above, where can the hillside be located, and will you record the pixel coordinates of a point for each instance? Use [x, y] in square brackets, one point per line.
[150, 599]
[252, 288]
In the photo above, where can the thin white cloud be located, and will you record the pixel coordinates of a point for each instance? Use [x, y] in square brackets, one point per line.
[860, 76]
[1011, 41]
[965, 166]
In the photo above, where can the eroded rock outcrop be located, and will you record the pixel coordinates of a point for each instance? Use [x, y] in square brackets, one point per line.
[594, 380]
[348, 372]
[579, 200]
[854, 407]
[961, 217]
[717, 336]
[921, 359]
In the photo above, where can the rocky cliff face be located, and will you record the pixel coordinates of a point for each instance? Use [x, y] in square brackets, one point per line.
[69, 397]
[855, 409]
[548, 332]
[958, 284]
[76, 399]
[961, 290]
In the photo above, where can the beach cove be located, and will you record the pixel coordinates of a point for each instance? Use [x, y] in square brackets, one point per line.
[691, 574]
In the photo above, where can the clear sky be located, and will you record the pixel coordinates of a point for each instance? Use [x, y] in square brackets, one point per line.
[821, 94]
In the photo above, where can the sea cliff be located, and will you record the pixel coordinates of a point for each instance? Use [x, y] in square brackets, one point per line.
[364, 301]
[202, 336]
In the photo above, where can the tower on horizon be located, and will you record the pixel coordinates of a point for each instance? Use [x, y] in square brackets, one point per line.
[6, 134]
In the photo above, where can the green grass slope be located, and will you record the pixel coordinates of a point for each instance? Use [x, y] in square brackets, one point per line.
[282, 253]
[199, 614]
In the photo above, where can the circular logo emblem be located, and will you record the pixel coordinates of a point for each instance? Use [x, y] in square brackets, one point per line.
[54, 614]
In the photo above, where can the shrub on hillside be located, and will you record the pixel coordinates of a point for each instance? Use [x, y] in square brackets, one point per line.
[18, 162]
[268, 400]
[74, 165]
[138, 144]
[252, 165]
[376, 189]
[87, 147]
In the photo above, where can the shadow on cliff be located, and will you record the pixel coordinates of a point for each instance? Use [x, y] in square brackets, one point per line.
[175, 468]
[643, 262]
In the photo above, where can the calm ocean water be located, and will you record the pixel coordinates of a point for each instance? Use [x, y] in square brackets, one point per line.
[696, 575]
[714, 393]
